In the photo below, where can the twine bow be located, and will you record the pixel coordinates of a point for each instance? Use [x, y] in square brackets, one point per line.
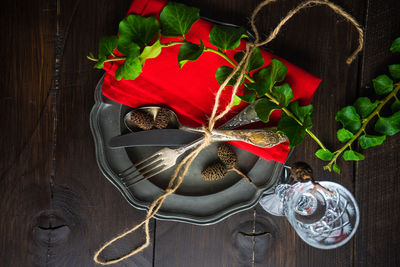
[184, 165]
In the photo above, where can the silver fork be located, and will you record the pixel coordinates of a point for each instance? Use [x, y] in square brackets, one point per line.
[158, 162]
[167, 157]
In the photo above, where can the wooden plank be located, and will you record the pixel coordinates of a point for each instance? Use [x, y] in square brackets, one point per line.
[93, 210]
[227, 243]
[318, 41]
[377, 178]
[27, 54]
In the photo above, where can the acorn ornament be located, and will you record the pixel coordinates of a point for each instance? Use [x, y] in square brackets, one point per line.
[218, 170]
[303, 173]
[146, 121]
[227, 155]
[162, 118]
[142, 120]
[214, 172]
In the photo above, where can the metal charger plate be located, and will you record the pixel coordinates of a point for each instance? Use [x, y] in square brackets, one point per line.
[196, 201]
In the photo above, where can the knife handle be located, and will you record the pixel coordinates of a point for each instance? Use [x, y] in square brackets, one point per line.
[259, 137]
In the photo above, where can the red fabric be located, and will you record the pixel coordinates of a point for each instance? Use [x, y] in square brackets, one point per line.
[190, 91]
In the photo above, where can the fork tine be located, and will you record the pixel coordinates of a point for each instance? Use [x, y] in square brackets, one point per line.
[157, 154]
[152, 169]
[145, 177]
[126, 179]
[157, 161]
[127, 175]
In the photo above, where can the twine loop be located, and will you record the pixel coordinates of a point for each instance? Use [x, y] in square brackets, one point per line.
[207, 136]
[168, 191]
[240, 71]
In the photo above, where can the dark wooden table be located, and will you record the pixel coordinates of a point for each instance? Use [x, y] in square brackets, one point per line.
[56, 206]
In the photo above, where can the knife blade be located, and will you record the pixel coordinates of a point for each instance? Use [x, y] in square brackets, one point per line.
[163, 137]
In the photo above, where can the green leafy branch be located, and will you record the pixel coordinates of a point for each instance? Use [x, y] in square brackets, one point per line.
[356, 118]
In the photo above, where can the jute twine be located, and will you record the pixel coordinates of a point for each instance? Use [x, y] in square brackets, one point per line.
[184, 165]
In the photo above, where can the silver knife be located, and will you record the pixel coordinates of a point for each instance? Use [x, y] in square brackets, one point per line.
[176, 137]
[163, 137]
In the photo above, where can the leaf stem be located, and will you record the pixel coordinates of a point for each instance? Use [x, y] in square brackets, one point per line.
[115, 59]
[290, 114]
[107, 60]
[315, 139]
[92, 58]
[364, 125]
[212, 50]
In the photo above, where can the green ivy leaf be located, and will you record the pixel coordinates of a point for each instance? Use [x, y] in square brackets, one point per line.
[395, 46]
[100, 63]
[324, 154]
[177, 19]
[383, 84]
[278, 70]
[236, 100]
[264, 108]
[151, 51]
[223, 72]
[263, 82]
[256, 61]
[349, 118]
[189, 51]
[395, 71]
[344, 135]
[248, 96]
[107, 46]
[364, 106]
[266, 78]
[335, 168]
[129, 70]
[389, 125]
[293, 131]
[353, 155]
[395, 106]
[136, 31]
[283, 94]
[227, 37]
[367, 141]
[303, 113]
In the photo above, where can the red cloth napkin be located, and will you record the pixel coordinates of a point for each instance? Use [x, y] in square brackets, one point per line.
[190, 91]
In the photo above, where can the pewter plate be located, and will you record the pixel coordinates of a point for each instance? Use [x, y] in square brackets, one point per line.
[196, 201]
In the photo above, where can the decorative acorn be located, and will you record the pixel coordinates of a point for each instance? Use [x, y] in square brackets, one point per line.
[229, 158]
[214, 172]
[303, 173]
[162, 118]
[227, 155]
[218, 170]
[142, 120]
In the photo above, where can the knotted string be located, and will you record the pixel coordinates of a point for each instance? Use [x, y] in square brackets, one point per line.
[183, 166]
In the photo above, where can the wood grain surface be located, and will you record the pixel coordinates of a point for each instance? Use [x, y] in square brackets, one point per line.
[57, 207]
